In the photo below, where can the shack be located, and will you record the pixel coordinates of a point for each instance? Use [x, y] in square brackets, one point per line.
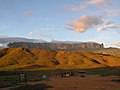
[68, 73]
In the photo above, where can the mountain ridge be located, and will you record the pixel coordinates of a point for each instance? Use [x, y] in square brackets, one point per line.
[88, 46]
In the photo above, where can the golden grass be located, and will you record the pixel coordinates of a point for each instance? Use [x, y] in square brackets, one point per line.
[21, 58]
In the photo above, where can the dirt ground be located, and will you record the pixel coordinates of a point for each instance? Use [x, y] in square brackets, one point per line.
[87, 83]
[78, 83]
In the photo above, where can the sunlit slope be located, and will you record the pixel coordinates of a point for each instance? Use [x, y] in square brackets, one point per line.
[15, 58]
[110, 51]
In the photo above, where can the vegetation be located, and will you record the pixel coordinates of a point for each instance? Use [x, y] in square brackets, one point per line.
[35, 59]
[11, 78]
[110, 51]
[32, 87]
[107, 71]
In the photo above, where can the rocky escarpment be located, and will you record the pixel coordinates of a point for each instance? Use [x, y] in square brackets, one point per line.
[88, 46]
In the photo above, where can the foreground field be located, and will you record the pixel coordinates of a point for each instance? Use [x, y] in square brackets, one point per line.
[91, 82]
[99, 76]
[88, 83]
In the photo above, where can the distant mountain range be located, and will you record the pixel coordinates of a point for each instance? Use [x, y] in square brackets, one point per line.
[83, 46]
[19, 39]
[5, 40]
[17, 42]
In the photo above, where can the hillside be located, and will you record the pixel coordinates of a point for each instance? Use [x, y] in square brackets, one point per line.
[110, 51]
[22, 58]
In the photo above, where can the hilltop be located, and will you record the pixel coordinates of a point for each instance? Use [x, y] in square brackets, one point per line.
[36, 59]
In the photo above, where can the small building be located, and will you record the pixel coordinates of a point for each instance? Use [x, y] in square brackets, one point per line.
[22, 78]
[68, 73]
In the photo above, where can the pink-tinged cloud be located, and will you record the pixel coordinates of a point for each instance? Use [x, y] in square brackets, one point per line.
[28, 13]
[98, 4]
[116, 44]
[85, 22]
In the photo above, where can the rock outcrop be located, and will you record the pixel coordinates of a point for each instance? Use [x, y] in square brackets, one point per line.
[88, 46]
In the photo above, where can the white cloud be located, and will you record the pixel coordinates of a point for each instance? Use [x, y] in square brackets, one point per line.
[109, 26]
[85, 22]
[3, 35]
[44, 32]
[30, 33]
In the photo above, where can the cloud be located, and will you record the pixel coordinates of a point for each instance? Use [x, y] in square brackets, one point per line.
[75, 8]
[43, 32]
[30, 33]
[3, 35]
[112, 13]
[85, 22]
[116, 44]
[98, 4]
[109, 26]
[39, 33]
[28, 13]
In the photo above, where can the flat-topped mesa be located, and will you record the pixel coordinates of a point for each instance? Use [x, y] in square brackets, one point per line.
[57, 46]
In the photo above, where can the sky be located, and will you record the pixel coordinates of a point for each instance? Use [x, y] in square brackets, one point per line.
[62, 20]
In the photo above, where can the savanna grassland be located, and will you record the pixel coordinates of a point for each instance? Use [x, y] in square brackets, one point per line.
[35, 63]
[36, 59]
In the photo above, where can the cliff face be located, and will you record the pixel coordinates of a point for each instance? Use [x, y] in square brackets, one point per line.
[57, 46]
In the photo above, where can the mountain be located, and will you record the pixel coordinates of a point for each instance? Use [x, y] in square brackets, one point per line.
[19, 39]
[36, 59]
[110, 51]
[82, 46]
[5, 40]
[67, 42]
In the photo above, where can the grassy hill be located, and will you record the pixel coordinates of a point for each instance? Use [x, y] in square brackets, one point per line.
[110, 51]
[35, 59]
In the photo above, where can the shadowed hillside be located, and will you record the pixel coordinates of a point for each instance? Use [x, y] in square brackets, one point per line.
[22, 58]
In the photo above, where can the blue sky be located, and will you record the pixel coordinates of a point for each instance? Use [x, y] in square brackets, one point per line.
[65, 20]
